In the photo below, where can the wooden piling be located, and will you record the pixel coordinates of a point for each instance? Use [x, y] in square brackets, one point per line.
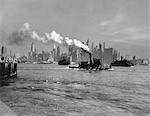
[8, 70]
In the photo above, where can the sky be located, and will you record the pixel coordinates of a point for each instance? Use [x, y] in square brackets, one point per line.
[122, 24]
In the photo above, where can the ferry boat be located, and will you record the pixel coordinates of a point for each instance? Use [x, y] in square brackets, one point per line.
[124, 63]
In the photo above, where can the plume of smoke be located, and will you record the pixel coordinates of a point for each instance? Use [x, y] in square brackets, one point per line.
[25, 28]
[18, 37]
[55, 37]
[15, 38]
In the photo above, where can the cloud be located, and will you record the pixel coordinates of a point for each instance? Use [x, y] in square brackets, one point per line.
[109, 26]
[132, 33]
[120, 29]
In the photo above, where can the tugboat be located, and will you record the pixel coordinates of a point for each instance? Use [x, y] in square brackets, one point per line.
[92, 65]
[124, 63]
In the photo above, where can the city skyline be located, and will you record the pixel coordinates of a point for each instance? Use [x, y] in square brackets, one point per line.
[122, 24]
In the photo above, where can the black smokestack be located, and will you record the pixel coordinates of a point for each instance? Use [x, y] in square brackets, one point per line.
[90, 56]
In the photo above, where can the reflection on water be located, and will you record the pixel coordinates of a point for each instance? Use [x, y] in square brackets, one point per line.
[51, 90]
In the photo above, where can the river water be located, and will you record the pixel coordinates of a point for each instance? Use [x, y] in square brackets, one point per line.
[52, 90]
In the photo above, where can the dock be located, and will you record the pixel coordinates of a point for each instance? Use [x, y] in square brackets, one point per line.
[8, 70]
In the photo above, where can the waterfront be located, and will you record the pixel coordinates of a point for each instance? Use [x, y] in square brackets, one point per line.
[52, 90]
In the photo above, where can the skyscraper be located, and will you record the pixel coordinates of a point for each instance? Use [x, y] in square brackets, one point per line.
[108, 55]
[58, 53]
[32, 54]
[115, 55]
[73, 54]
[92, 46]
[97, 52]
[54, 53]
[33, 49]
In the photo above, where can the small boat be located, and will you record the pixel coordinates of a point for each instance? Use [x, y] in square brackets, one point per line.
[63, 62]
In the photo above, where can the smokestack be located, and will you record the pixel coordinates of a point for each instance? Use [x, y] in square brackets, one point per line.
[90, 56]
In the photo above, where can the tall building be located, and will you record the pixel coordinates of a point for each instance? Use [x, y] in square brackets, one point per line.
[45, 56]
[54, 53]
[107, 55]
[33, 49]
[118, 56]
[58, 53]
[115, 55]
[97, 52]
[32, 56]
[73, 53]
[92, 47]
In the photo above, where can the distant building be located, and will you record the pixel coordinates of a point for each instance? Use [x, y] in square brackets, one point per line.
[73, 53]
[33, 49]
[115, 55]
[97, 52]
[103, 46]
[32, 55]
[118, 56]
[108, 55]
[64, 56]
[84, 56]
[54, 52]
[58, 53]
[45, 56]
[92, 47]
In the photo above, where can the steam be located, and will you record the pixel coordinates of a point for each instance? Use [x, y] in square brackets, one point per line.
[53, 36]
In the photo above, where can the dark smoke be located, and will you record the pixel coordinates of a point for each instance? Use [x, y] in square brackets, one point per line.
[17, 38]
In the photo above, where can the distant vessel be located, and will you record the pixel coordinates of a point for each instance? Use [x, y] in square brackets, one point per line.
[64, 62]
[125, 63]
[122, 62]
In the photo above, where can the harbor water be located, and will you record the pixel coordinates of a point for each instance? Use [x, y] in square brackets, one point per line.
[52, 90]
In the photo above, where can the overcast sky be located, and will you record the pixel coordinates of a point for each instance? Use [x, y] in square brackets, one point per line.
[122, 24]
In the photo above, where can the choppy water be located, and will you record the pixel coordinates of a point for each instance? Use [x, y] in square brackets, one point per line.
[52, 90]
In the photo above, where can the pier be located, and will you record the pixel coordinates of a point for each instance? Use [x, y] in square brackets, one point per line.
[8, 70]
